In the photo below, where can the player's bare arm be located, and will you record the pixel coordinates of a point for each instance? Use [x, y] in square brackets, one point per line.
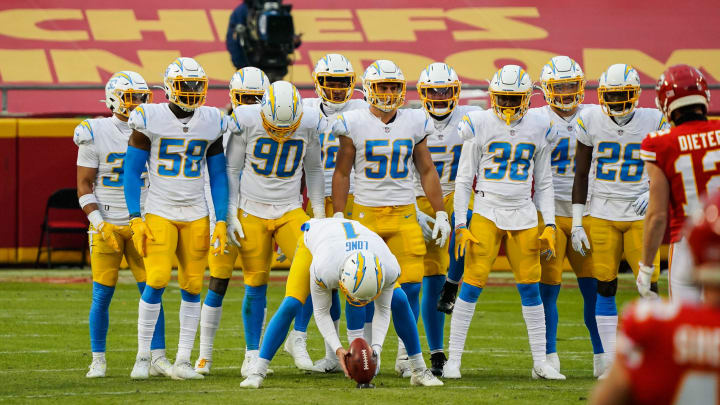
[140, 141]
[428, 175]
[215, 148]
[583, 159]
[85, 181]
[341, 178]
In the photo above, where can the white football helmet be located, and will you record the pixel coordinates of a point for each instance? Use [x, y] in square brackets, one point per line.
[563, 83]
[361, 278]
[619, 90]
[439, 89]
[281, 109]
[247, 86]
[185, 83]
[384, 85]
[510, 90]
[126, 90]
[334, 79]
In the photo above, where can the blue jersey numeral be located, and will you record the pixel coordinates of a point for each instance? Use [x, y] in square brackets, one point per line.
[401, 152]
[631, 168]
[516, 158]
[276, 157]
[560, 157]
[189, 161]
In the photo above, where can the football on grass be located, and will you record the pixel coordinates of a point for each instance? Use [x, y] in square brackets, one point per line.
[360, 361]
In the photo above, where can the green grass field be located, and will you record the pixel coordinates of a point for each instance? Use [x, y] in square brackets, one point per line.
[45, 352]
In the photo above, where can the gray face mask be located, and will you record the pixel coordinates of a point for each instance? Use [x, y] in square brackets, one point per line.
[623, 119]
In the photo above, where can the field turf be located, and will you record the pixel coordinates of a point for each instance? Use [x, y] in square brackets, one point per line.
[45, 351]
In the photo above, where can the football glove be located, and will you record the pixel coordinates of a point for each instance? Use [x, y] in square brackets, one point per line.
[547, 242]
[219, 238]
[643, 281]
[234, 230]
[338, 215]
[442, 227]
[640, 205]
[463, 236]
[140, 234]
[580, 241]
[425, 221]
[107, 233]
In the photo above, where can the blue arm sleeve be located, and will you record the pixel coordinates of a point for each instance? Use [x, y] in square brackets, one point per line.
[135, 159]
[237, 54]
[218, 185]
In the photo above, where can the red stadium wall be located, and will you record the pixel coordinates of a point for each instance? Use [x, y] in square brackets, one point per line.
[8, 189]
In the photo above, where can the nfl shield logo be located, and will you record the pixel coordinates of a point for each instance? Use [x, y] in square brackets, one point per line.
[387, 130]
[570, 128]
[185, 129]
[620, 132]
[512, 132]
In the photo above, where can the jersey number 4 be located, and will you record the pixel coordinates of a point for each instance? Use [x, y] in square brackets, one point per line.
[182, 155]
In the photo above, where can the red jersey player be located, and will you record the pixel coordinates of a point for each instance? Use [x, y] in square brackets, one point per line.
[669, 353]
[683, 167]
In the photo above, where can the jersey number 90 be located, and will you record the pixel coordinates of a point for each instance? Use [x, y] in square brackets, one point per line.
[276, 157]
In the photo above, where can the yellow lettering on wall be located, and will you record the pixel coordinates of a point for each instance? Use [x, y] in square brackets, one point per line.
[121, 25]
[84, 65]
[326, 25]
[496, 23]
[23, 23]
[220, 19]
[299, 73]
[217, 65]
[481, 64]
[24, 65]
[411, 64]
[399, 24]
[598, 60]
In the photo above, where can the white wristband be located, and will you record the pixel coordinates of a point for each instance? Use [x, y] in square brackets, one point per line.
[577, 214]
[95, 219]
[86, 199]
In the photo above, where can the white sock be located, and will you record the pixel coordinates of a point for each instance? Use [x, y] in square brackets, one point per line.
[607, 329]
[189, 320]
[417, 363]
[157, 353]
[209, 323]
[98, 356]
[355, 334]
[459, 325]
[329, 352]
[261, 365]
[368, 332]
[535, 323]
[402, 351]
[147, 318]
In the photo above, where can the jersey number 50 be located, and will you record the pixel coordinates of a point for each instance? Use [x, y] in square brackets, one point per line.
[401, 151]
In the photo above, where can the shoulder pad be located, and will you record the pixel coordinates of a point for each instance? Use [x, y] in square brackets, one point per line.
[138, 119]
[466, 128]
[84, 134]
[340, 127]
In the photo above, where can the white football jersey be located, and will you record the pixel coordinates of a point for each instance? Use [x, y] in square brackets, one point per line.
[507, 160]
[620, 177]
[445, 145]
[383, 154]
[562, 158]
[177, 158]
[272, 171]
[329, 143]
[102, 143]
[330, 241]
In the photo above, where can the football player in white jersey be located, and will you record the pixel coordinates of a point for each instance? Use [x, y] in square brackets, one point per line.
[609, 137]
[102, 143]
[247, 86]
[506, 148]
[383, 144]
[563, 84]
[439, 89]
[272, 144]
[334, 79]
[337, 253]
[176, 140]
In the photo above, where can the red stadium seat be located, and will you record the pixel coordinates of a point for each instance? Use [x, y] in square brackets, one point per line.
[61, 219]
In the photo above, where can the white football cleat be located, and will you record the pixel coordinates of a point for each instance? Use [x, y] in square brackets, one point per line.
[160, 366]
[97, 369]
[543, 370]
[248, 365]
[202, 366]
[554, 361]
[425, 378]
[141, 369]
[599, 365]
[184, 371]
[296, 345]
[402, 367]
[452, 369]
[254, 380]
[327, 365]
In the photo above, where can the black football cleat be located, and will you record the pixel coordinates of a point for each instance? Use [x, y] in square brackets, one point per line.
[446, 302]
[437, 362]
